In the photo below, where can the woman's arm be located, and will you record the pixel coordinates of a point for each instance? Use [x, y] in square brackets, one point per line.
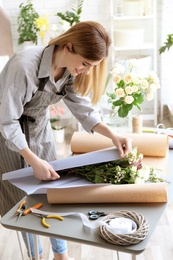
[123, 143]
[42, 169]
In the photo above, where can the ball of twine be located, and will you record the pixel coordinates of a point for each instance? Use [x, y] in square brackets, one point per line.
[125, 239]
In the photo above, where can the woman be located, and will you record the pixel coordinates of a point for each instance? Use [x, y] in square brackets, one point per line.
[72, 66]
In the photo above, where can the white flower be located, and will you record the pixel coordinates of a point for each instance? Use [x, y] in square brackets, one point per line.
[129, 90]
[140, 156]
[116, 78]
[139, 180]
[144, 84]
[152, 88]
[134, 169]
[128, 78]
[129, 99]
[120, 92]
[144, 173]
[149, 96]
[135, 88]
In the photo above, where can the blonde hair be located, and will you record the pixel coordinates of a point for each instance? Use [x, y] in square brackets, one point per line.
[91, 41]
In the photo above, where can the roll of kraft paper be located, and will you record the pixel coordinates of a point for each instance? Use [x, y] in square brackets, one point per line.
[149, 144]
[96, 193]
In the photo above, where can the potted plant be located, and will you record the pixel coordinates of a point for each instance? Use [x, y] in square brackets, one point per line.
[166, 47]
[73, 16]
[58, 130]
[26, 23]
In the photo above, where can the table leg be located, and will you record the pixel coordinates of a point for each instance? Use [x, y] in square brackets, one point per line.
[36, 247]
[21, 251]
[133, 257]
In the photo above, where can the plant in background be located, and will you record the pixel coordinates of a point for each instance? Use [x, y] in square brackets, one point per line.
[26, 23]
[167, 45]
[42, 25]
[72, 16]
[127, 170]
[130, 89]
[56, 114]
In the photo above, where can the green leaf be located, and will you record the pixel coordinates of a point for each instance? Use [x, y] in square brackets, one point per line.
[112, 95]
[167, 45]
[121, 84]
[118, 102]
[53, 120]
[123, 111]
[138, 98]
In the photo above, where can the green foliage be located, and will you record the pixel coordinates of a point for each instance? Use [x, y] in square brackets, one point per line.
[73, 16]
[167, 45]
[26, 23]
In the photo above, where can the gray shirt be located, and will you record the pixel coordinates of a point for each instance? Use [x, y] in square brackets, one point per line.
[19, 81]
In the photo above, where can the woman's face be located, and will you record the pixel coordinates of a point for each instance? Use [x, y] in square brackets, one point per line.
[76, 64]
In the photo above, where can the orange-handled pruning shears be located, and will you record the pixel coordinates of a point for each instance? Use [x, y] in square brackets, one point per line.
[37, 206]
[22, 211]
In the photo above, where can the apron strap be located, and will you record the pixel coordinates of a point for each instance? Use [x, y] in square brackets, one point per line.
[24, 119]
[42, 83]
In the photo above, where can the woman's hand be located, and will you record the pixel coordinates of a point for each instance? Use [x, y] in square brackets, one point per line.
[42, 169]
[123, 143]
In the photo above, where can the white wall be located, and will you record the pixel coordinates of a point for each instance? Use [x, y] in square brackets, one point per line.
[165, 60]
[99, 10]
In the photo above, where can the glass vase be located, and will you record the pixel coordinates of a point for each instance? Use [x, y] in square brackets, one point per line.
[111, 118]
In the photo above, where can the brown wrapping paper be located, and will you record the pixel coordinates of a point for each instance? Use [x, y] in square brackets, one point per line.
[148, 144]
[153, 147]
[125, 193]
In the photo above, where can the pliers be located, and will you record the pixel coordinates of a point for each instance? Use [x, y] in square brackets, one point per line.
[22, 211]
[44, 216]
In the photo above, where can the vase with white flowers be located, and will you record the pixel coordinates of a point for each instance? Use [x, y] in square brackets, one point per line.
[129, 90]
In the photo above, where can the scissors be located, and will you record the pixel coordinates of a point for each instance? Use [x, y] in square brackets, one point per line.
[94, 214]
[22, 211]
[44, 216]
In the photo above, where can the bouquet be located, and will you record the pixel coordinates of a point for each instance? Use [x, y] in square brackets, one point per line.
[130, 89]
[127, 170]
